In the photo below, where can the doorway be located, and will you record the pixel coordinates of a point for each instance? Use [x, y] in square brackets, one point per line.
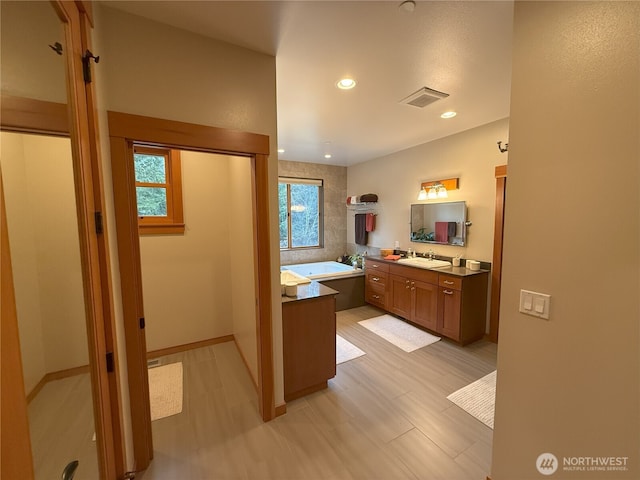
[126, 130]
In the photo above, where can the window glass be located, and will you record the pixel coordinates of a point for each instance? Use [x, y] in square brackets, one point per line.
[150, 168]
[304, 216]
[300, 215]
[152, 201]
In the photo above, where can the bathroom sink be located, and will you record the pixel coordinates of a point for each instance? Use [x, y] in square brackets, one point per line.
[424, 262]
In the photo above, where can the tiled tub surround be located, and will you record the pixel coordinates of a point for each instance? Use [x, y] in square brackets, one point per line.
[335, 213]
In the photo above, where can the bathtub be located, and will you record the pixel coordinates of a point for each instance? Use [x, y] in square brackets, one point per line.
[320, 270]
[348, 281]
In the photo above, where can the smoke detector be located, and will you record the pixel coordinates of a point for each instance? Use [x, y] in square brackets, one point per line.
[423, 97]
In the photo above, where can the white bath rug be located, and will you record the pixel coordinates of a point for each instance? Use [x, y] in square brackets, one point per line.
[165, 390]
[401, 334]
[346, 350]
[478, 398]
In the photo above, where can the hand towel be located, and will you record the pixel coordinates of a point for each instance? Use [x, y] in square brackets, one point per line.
[371, 222]
[442, 230]
[361, 228]
[451, 231]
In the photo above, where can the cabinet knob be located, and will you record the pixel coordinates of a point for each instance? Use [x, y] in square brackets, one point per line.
[447, 292]
[407, 286]
[375, 265]
[377, 297]
[413, 288]
[375, 279]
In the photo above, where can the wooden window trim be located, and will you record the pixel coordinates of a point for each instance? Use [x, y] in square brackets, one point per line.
[173, 223]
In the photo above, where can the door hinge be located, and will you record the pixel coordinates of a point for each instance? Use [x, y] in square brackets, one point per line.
[99, 225]
[110, 362]
[142, 324]
[86, 65]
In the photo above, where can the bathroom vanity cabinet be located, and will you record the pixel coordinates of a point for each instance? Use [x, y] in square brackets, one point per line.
[309, 340]
[449, 301]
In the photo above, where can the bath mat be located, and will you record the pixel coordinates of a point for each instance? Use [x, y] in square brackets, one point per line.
[165, 390]
[346, 350]
[401, 334]
[478, 398]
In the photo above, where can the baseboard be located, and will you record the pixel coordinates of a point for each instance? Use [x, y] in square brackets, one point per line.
[57, 375]
[188, 346]
[281, 410]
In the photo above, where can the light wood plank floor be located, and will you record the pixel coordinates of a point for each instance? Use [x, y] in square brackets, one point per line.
[384, 416]
[61, 428]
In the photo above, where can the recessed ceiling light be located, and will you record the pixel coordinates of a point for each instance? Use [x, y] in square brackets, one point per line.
[281, 150]
[327, 155]
[346, 83]
[448, 115]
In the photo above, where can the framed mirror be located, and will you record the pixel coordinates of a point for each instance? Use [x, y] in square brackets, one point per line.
[439, 223]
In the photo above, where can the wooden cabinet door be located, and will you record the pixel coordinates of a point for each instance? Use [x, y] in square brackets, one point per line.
[449, 309]
[399, 301]
[309, 344]
[424, 308]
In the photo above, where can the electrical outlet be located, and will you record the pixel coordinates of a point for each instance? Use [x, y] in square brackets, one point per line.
[535, 304]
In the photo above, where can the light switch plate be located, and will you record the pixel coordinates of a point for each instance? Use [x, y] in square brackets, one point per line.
[535, 304]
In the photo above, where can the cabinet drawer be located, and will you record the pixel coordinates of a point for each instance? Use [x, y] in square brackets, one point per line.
[376, 278]
[372, 265]
[448, 281]
[375, 295]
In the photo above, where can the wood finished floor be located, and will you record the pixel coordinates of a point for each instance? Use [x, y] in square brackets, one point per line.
[384, 416]
[61, 428]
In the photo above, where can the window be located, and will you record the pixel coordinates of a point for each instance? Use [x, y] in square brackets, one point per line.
[300, 205]
[158, 190]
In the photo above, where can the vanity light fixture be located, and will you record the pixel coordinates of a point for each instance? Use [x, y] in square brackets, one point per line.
[327, 155]
[449, 114]
[437, 189]
[346, 83]
[281, 150]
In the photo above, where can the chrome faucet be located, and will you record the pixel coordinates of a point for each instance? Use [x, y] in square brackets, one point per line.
[431, 254]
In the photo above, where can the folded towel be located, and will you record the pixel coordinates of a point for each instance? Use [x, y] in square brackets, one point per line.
[370, 222]
[392, 257]
[451, 231]
[361, 228]
[442, 231]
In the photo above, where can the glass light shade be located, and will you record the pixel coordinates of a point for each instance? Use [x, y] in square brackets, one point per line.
[442, 192]
[432, 193]
[422, 195]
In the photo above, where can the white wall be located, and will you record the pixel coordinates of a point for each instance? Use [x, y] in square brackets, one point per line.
[241, 255]
[160, 71]
[29, 68]
[185, 277]
[43, 236]
[570, 385]
[471, 155]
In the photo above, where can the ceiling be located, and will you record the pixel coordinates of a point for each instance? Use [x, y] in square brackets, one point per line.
[460, 48]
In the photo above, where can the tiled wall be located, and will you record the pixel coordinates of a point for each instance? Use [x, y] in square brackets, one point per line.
[335, 211]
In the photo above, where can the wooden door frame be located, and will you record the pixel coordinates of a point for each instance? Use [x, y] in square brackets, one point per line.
[124, 129]
[498, 235]
[72, 120]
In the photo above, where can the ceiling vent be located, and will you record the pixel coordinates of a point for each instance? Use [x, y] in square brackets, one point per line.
[423, 97]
